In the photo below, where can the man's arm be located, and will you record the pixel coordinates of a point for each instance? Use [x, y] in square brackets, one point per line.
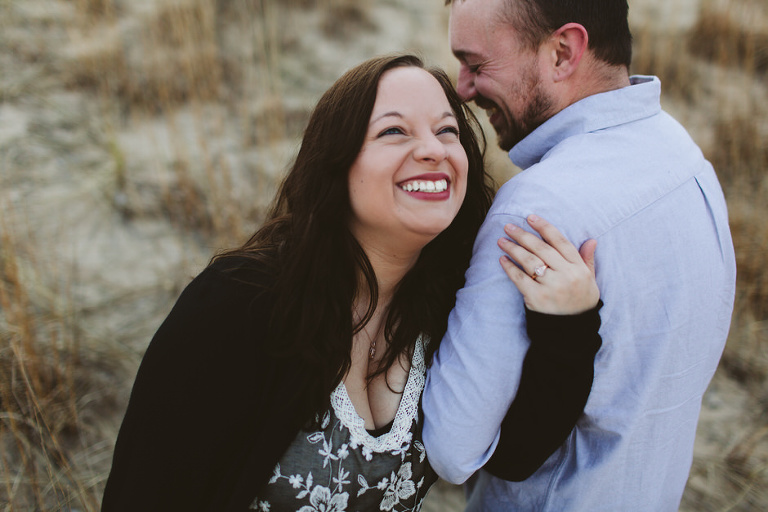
[554, 386]
[556, 376]
[476, 371]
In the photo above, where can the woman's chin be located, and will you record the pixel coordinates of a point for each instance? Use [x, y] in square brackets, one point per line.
[430, 232]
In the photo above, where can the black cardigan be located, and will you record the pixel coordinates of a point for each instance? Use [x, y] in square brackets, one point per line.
[210, 414]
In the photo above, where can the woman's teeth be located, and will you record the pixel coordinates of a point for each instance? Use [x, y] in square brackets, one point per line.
[426, 186]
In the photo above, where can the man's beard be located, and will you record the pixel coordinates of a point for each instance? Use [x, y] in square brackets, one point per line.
[536, 112]
[539, 108]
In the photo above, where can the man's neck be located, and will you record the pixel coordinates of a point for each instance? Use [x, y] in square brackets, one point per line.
[596, 78]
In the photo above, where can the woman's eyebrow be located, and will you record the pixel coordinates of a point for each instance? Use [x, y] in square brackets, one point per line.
[387, 114]
[400, 116]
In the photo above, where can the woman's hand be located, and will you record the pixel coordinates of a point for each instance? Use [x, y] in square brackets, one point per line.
[556, 278]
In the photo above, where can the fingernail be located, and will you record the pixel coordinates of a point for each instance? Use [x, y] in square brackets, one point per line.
[533, 218]
[511, 227]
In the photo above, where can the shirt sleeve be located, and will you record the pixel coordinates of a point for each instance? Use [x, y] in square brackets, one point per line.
[478, 368]
[556, 381]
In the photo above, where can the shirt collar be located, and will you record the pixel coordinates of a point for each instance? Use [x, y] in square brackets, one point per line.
[641, 99]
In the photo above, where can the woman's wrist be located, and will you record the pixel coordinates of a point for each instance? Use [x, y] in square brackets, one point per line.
[569, 335]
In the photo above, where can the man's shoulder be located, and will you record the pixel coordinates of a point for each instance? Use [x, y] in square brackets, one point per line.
[599, 178]
[564, 180]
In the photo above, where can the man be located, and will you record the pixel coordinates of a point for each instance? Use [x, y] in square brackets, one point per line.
[600, 160]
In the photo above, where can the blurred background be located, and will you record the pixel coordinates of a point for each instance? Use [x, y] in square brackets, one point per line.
[137, 137]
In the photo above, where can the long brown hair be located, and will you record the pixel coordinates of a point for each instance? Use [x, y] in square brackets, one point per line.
[306, 243]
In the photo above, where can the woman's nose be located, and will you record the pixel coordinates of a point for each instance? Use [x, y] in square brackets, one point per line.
[430, 148]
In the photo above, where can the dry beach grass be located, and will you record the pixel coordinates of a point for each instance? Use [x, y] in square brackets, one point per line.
[137, 137]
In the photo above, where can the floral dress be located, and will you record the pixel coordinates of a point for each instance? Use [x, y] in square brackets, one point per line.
[341, 466]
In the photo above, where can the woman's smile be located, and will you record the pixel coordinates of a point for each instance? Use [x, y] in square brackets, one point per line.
[432, 188]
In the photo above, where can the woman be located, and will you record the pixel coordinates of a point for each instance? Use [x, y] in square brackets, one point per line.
[288, 375]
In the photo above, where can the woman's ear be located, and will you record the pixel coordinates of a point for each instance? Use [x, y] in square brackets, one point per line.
[569, 43]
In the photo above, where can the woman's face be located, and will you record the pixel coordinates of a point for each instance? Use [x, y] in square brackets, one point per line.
[409, 180]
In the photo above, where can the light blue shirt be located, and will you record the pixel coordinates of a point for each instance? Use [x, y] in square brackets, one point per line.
[617, 168]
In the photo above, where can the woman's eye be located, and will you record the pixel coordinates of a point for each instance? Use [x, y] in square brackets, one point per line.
[449, 129]
[392, 131]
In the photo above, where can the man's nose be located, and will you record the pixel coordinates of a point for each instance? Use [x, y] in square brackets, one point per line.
[465, 85]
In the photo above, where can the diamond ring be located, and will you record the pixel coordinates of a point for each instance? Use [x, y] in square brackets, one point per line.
[539, 271]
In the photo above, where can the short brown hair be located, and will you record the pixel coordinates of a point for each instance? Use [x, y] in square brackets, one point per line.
[606, 23]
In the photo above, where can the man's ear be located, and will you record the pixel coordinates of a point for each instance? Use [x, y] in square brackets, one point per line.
[569, 43]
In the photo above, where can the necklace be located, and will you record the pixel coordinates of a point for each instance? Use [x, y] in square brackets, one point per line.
[372, 341]
[378, 317]
[372, 346]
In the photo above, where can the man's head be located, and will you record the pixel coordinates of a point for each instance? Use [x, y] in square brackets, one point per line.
[525, 60]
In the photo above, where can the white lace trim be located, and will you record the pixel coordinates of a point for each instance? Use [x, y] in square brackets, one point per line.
[407, 411]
